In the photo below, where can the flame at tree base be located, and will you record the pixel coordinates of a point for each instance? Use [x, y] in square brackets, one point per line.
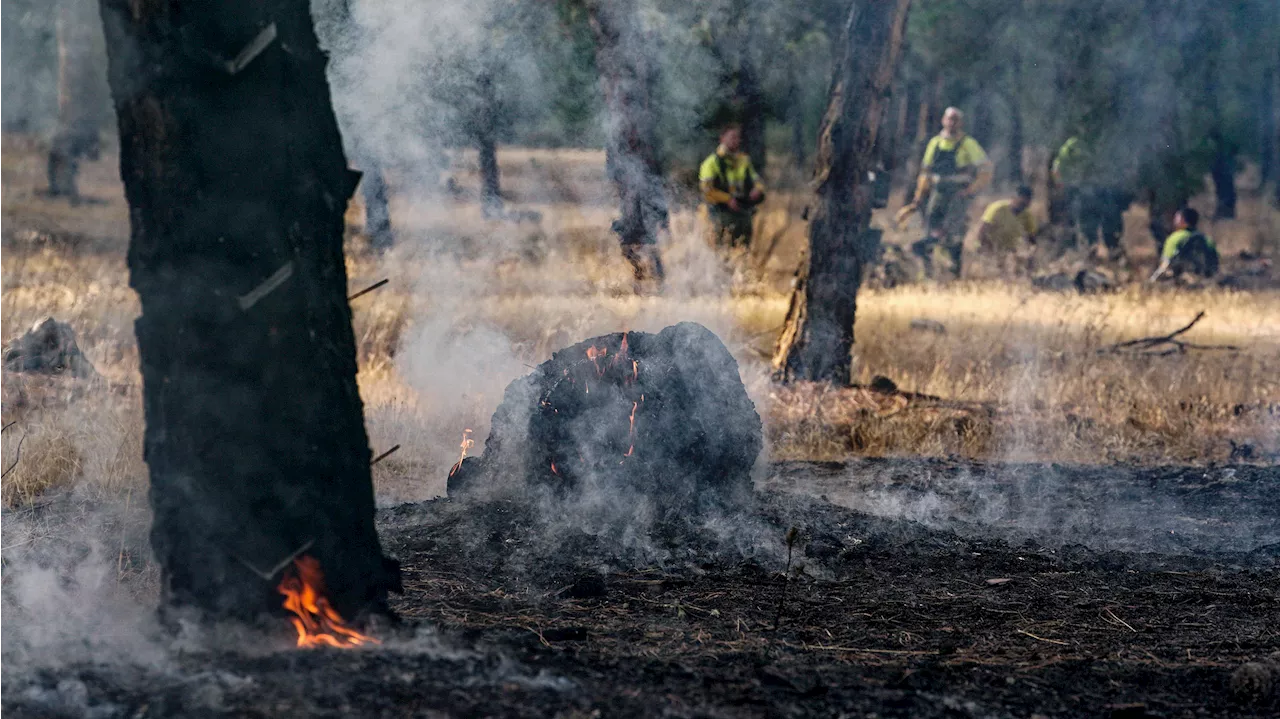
[318, 624]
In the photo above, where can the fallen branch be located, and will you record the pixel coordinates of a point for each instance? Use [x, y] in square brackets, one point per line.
[1147, 346]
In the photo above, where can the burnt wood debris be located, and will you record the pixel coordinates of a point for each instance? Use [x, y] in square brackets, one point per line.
[236, 181]
[664, 415]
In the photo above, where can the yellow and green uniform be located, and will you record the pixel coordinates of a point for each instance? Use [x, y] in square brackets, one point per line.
[1175, 243]
[1190, 251]
[948, 155]
[1071, 164]
[724, 176]
[1006, 226]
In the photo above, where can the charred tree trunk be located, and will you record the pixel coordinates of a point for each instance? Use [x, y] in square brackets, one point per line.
[818, 335]
[629, 75]
[486, 131]
[82, 94]
[377, 208]
[237, 185]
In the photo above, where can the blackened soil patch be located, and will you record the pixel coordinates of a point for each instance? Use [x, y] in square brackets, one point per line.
[878, 616]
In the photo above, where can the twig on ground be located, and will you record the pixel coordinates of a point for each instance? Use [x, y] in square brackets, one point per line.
[1118, 620]
[1042, 639]
[792, 534]
[1148, 346]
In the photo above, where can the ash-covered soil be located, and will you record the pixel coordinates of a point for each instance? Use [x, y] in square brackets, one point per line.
[1008, 591]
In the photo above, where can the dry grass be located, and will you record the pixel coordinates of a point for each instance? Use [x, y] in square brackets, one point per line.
[471, 303]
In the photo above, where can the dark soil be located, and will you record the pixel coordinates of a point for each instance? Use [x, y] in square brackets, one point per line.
[1021, 591]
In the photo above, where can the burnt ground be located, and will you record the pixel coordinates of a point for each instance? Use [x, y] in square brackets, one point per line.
[1007, 591]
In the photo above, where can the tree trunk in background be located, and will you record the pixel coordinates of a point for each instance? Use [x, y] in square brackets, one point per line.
[928, 117]
[237, 185]
[1223, 171]
[377, 208]
[628, 75]
[818, 335]
[1016, 140]
[795, 118]
[751, 100]
[486, 132]
[82, 93]
[1267, 129]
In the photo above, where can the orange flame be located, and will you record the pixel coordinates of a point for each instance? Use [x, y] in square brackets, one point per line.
[594, 354]
[316, 621]
[467, 443]
[631, 433]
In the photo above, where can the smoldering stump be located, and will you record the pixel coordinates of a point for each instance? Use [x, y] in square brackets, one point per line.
[665, 415]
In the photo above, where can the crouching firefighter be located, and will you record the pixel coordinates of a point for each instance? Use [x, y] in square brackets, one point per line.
[732, 190]
[1187, 249]
[954, 168]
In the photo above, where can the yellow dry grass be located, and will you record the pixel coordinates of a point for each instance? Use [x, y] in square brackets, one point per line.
[472, 303]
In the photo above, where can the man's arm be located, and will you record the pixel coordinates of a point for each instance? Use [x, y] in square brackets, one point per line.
[977, 158]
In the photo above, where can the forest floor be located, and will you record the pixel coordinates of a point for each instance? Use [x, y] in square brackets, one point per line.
[944, 568]
[1122, 592]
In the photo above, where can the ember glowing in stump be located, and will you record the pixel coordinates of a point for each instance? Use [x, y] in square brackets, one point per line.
[317, 622]
[666, 415]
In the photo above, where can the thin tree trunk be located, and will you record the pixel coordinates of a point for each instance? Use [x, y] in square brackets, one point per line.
[818, 335]
[1269, 159]
[82, 94]
[237, 185]
[1223, 172]
[487, 144]
[751, 99]
[1016, 139]
[795, 118]
[629, 75]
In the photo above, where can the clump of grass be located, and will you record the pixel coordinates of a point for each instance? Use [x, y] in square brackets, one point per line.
[38, 461]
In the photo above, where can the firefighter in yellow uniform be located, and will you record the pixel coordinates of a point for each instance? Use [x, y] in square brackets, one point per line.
[1005, 223]
[955, 167]
[732, 190]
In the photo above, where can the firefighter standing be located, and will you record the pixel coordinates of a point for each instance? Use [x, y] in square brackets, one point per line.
[732, 190]
[955, 167]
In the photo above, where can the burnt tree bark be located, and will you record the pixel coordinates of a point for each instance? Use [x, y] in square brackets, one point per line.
[818, 335]
[628, 75]
[82, 94]
[236, 181]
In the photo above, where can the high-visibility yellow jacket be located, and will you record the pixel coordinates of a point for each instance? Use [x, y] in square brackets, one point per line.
[1007, 227]
[1072, 162]
[725, 175]
[942, 152]
[1174, 242]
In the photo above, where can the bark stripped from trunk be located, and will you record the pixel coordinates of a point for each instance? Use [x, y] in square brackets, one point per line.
[236, 182]
[82, 93]
[628, 76]
[818, 335]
